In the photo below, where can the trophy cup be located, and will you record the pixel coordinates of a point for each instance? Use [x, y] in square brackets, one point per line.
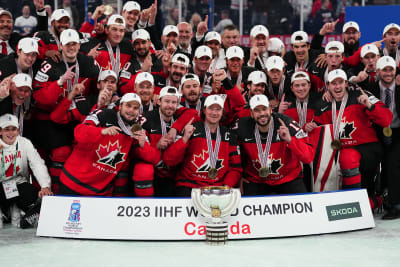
[216, 202]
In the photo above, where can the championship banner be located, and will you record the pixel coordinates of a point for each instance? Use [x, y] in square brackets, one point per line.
[177, 219]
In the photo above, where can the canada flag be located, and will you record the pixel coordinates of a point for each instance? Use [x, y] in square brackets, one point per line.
[110, 154]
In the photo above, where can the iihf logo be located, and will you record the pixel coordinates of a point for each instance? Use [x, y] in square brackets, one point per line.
[75, 212]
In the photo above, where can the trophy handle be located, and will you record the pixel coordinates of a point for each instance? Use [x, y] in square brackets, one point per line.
[198, 204]
[233, 204]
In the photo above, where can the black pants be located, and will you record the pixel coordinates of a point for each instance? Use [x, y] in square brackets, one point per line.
[164, 187]
[371, 156]
[391, 168]
[292, 187]
[66, 191]
[27, 196]
[182, 191]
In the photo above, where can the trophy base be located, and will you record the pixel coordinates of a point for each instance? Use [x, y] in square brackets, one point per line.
[217, 233]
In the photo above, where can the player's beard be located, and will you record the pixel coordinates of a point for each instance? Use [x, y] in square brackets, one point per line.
[128, 122]
[351, 47]
[265, 124]
[144, 54]
[174, 74]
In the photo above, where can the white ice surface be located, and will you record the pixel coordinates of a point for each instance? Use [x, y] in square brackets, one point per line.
[374, 247]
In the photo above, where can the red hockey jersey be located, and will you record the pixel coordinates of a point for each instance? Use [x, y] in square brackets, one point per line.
[356, 125]
[97, 159]
[285, 159]
[195, 162]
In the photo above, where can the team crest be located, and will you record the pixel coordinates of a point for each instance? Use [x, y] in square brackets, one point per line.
[275, 166]
[110, 154]
[202, 162]
[346, 129]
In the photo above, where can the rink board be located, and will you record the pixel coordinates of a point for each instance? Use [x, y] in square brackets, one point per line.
[176, 218]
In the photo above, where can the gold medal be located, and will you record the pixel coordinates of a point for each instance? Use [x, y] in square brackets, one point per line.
[263, 172]
[212, 173]
[215, 212]
[108, 10]
[136, 127]
[387, 131]
[336, 144]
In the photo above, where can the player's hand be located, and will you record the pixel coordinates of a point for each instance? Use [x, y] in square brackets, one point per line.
[188, 131]
[99, 11]
[163, 143]
[328, 27]
[77, 89]
[45, 192]
[274, 103]
[147, 63]
[364, 100]
[327, 96]
[6, 85]
[104, 98]
[159, 54]
[283, 132]
[171, 135]
[145, 15]
[68, 75]
[141, 137]
[321, 61]
[378, 44]
[54, 55]
[202, 27]
[302, 68]
[166, 61]
[155, 98]
[309, 126]
[219, 75]
[253, 55]
[171, 48]
[153, 13]
[362, 75]
[93, 52]
[113, 130]
[283, 105]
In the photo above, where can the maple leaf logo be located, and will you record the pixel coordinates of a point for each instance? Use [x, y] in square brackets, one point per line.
[346, 129]
[202, 162]
[276, 164]
[110, 154]
[10, 171]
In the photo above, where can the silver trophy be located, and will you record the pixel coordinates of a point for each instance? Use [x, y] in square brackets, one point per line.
[216, 202]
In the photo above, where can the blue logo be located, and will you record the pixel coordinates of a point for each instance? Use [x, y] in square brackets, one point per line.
[75, 212]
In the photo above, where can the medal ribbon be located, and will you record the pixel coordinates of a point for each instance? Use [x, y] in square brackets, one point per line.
[336, 120]
[123, 127]
[239, 79]
[263, 155]
[198, 106]
[115, 62]
[69, 84]
[302, 111]
[213, 154]
[164, 125]
[280, 91]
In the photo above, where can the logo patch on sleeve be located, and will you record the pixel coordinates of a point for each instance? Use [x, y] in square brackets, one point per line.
[41, 77]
